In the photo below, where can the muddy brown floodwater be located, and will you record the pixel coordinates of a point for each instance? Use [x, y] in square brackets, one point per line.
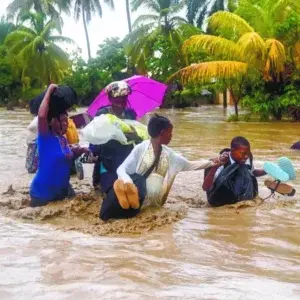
[185, 251]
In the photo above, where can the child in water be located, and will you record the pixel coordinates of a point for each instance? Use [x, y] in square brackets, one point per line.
[234, 179]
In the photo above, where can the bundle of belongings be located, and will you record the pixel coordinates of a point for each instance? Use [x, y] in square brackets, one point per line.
[109, 127]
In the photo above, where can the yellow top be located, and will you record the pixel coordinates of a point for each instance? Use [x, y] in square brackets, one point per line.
[72, 134]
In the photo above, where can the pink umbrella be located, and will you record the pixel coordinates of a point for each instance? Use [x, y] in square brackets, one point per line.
[147, 94]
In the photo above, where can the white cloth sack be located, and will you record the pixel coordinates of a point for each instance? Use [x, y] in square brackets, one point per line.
[101, 130]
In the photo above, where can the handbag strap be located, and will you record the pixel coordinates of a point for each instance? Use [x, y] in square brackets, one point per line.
[154, 165]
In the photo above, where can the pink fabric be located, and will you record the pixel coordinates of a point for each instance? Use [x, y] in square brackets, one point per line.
[147, 95]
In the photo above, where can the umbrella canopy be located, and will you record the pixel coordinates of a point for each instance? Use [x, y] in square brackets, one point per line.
[147, 95]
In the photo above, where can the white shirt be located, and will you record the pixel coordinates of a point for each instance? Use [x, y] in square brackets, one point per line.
[176, 164]
[219, 170]
[32, 131]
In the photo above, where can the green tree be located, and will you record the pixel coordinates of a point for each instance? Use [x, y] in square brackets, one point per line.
[6, 77]
[85, 10]
[162, 21]
[91, 77]
[5, 28]
[35, 47]
[111, 58]
[265, 15]
[244, 54]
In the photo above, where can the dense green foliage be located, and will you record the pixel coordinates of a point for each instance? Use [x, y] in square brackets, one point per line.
[88, 78]
[250, 47]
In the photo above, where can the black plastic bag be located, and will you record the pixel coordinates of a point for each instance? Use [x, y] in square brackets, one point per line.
[61, 100]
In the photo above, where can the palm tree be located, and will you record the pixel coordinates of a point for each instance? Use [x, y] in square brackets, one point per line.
[85, 9]
[162, 20]
[53, 8]
[244, 53]
[35, 47]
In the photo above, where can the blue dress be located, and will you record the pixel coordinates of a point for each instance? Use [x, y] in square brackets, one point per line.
[51, 181]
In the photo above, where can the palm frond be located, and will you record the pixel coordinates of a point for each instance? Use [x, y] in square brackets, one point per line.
[18, 37]
[257, 16]
[208, 71]
[98, 9]
[252, 48]
[177, 21]
[48, 29]
[59, 54]
[16, 5]
[177, 8]
[110, 3]
[225, 23]
[139, 32]
[296, 54]
[214, 45]
[276, 58]
[279, 8]
[142, 48]
[150, 5]
[61, 39]
[142, 19]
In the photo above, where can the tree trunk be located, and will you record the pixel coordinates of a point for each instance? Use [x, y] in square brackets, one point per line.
[225, 98]
[86, 35]
[235, 102]
[128, 16]
[236, 108]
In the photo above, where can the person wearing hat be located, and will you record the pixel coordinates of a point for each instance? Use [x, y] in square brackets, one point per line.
[112, 154]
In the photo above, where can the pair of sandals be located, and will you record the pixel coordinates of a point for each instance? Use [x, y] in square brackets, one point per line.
[282, 172]
[281, 188]
[127, 194]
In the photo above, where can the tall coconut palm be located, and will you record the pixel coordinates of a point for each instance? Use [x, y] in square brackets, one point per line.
[235, 58]
[162, 20]
[36, 49]
[85, 9]
[53, 8]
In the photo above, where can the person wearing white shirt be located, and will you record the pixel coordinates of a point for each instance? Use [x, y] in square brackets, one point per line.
[32, 131]
[235, 180]
[158, 166]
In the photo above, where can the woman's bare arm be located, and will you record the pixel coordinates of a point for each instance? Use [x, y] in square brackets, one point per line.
[43, 127]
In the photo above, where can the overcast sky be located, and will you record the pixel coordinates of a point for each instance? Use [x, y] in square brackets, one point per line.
[113, 23]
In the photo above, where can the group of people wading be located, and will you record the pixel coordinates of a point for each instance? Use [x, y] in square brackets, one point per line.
[139, 174]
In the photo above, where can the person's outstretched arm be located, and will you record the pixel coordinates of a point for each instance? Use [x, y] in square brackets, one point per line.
[209, 178]
[130, 164]
[43, 126]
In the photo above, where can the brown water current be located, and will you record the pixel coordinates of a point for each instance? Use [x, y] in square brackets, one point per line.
[187, 250]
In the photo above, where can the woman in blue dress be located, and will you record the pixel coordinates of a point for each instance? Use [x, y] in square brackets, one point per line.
[52, 180]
